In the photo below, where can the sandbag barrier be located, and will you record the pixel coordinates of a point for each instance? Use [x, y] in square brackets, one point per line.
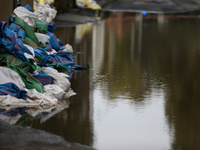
[33, 61]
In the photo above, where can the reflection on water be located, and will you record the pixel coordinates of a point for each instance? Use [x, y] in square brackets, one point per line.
[26, 116]
[142, 92]
[147, 88]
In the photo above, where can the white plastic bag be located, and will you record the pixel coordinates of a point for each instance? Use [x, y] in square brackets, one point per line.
[27, 16]
[54, 91]
[8, 75]
[68, 48]
[58, 78]
[42, 37]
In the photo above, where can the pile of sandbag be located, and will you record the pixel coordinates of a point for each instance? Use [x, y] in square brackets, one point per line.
[32, 61]
[46, 9]
[89, 4]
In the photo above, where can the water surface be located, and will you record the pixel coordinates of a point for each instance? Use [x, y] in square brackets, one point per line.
[143, 90]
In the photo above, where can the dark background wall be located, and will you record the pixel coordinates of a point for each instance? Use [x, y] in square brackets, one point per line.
[30, 2]
[7, 6]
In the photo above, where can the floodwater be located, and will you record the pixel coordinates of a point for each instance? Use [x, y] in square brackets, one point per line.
[143, 91]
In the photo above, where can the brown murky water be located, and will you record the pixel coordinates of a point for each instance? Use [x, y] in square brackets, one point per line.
[143, 91]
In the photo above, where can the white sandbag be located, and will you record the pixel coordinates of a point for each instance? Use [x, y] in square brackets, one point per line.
[69, 94]
[54, 90]
[68, 48]
[41, 9]
[48, 12]
[44, 99]
[8, 100]
[51, 14]
[34, 99]
[42, 37]
[63, 75]
[28, 16]
[58, 79]
[8, 75]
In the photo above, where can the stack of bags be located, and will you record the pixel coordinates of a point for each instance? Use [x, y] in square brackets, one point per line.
[32, 60]
[90, 4]
[45, 7]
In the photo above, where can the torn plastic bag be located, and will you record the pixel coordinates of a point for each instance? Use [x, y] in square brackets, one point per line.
[10, 43]
[27, 16]
[8, 75]
[11, 89]
[57, 78]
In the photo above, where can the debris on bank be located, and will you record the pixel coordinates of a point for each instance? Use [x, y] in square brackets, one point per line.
[33, 61]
